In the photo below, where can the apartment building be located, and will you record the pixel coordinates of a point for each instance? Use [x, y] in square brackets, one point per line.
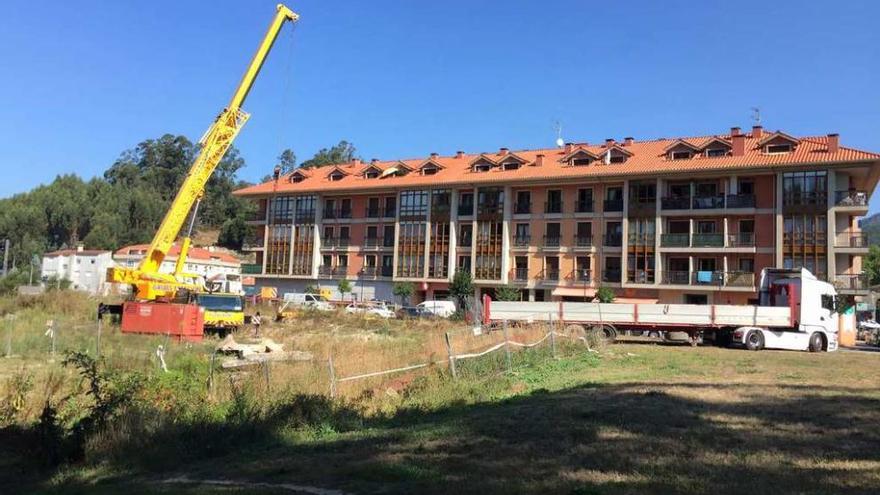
[692, 219]
[85, 269]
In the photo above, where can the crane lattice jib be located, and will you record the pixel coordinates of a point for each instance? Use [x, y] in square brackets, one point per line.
[149, 282]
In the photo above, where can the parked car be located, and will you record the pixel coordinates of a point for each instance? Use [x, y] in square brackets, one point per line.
[294, 302]
[869, 325]
[443, 309]
[379, 310]
[414, 312]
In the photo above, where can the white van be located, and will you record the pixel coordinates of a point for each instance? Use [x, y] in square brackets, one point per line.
[302, 300]
[443, 309]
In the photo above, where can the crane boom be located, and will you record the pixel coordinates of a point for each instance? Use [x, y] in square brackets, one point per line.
[146, 278]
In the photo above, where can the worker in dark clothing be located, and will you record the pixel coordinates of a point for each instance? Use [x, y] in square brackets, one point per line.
[256, 321]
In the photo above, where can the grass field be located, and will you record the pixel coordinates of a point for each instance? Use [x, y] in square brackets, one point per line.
[635, 417]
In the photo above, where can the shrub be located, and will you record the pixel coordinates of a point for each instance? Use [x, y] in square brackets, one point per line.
[605, 295]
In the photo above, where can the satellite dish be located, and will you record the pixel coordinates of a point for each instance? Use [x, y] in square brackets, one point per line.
[559, 143]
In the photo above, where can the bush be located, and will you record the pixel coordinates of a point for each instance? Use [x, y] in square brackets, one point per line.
[605, 295]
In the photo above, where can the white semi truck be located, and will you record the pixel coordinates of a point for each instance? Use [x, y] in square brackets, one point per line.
[796, 311]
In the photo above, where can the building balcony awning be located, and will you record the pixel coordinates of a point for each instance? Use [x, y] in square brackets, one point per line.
[574, 292]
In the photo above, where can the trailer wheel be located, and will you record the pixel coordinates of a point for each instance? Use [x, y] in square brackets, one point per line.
[606, 332]
[754, 340]
[817, 342]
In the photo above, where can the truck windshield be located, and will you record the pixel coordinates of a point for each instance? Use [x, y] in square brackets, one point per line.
[219, 303]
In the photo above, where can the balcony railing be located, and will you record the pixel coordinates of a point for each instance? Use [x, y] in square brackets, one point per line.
[707, 277]
[612, 205]
[708, 202]
[490, 209]
[552, 241]
[637, 239]
[676, 203]
[521, 274]
[583, 241]
[675, 240]
[522, 208]
[251, 268]
[330, 213]
[372, 242]
[441, 210]
[342, 242]
[325, 271]
[284, 219]
[466, 209]
[741, 239]
[851, 282]
[807, 238]
[707, 240]
[857, 240]
[549, 275]
[583, 206]
[465, 240]
[812, 198]
[374, 212]
[256, 216]
[369, 271]
[676, 277]
[304, 216]
[740, 200]
[413, 212]
[582, 275]
[522, 240]
[614, 239]
[611, 276]
[386, 271]
[851, 198]
[739, 279]
[640, 276]
[642, 205]
[487, 273]
[553, 207]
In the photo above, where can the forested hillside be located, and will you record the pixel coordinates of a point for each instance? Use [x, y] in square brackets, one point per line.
[126, 205]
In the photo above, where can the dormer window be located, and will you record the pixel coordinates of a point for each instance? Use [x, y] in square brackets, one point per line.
[372, 173]
[773, 149]
[680, 155]
[335, 176]
[716, 152]
[482, 167]
[510, 165]
[297, 177]
[429, 169]
[580, 162]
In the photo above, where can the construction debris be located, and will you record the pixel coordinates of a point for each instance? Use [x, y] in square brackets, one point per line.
[242, 355]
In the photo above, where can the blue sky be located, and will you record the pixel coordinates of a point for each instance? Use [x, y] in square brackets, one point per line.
[83, 81]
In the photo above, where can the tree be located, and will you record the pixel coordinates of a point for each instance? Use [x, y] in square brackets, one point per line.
[462, 288]
[341, 153]
[605, 295]
[287, 161]
[403, 290]
[344, 287]
[871, 265]
[507, 293]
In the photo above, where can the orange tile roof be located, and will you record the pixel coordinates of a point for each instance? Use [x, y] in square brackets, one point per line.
[194, 253]
[648, 158]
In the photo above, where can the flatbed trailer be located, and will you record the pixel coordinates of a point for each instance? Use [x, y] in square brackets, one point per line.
[795, 314]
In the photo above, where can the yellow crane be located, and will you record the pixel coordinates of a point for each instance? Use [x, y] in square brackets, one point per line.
[149, 284]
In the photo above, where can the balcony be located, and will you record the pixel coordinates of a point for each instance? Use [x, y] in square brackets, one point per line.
[325, 271]
[676, 203]
[675, 240]
[741, 239]
[386, 271]
[442, 210]
[251, 268]
[284, 219]
[676, 277]
[707, 240]
[740, 200]
[552, 241]
[372, 242]
[304, 216]
[337, 242]
[465, 209]
[549, 276]
[815, 199]
[642, 206]
[707, 277]
[611, 276]
[636, 239]
[851, 282]
[613, 239]
[374, 212]
[487, 273]
[255, 216]
[817, 239]
[583, 206]
[369, 272]
[490, 210]
[612, 205]
[413, 212]
[552, 207]
[522, 241]
[739, 279]
[465, 240]
[851, 198]
[330, 214]
[582, 275]
[388, 241]
[856, 240]
[522, 208]
[708, 202]
[583, 241]
[520, 274]
[252, 243]
[640, 276]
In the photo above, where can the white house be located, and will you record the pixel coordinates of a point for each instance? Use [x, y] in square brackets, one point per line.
[206, 262]
[86, 269]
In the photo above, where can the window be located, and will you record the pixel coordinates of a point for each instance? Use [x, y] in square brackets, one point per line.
[482, 166]
[778, 148]
[327, 260]
[413, 203]
[680, 155]
[706, 227]
[297, 177]
[342, 260]
[390, 206]
[465, 234]
[328, 232]
[579, 162]
[554, 230]
[746, 264]
[523, 231]
[430, 169]
[466, 203]
[370, 261]
[615, 156]
[746, 186]
[828, 302]
[335, 176]
[554, 201]
[371, 173]
[511, 165]
[464, 263]
[716, 152]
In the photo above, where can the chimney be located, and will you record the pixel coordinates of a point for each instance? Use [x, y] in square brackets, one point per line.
[434, 155]
[356, 161]
[374, 161]
[503, 151]
[539, 160]
[627, 141]
[568, 148]
[833, 143]
[734, 131]
[609, 142]
[757, 132]
[459, 154]
[80, 248]
[739, 145]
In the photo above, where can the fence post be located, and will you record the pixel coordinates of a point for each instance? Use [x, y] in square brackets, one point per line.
[11, 318]
[552, 336]
[506, 344]
[211, 376]
[332, 376]
[266, 373]
[451, 357]
[98, 338]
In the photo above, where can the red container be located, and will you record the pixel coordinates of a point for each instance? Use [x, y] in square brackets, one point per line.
[183, 321]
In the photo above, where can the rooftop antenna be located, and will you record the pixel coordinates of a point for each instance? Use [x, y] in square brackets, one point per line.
[559, 141]
[756, 115]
